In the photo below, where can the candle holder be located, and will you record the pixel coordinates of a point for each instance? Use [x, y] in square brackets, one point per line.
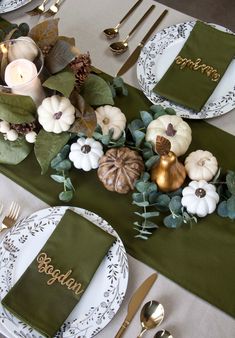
[22, 63]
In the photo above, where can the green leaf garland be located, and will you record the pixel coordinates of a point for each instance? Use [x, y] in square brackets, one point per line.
[63, 82]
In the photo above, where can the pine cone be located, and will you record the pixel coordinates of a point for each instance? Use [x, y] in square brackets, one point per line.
[81, 67]
[24, 128]
[46, 49]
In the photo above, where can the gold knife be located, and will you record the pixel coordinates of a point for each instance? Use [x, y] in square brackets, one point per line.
[134, 56]
[135, 302]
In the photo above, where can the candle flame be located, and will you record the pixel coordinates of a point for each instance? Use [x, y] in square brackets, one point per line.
[4, 48]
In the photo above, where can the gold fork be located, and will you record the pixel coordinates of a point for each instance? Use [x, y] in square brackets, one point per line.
[39, 9]
[53, 9]
[10, 219]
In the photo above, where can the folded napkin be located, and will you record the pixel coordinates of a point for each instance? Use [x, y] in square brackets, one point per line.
[52, 285]
[200, 65]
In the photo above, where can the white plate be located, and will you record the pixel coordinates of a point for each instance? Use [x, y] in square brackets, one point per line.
[96, 307]
[159, 53]
[11, 5]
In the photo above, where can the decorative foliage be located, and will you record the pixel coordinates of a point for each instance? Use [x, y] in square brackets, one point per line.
[45, 153]
[62, 165]
[45, 33]
[13, 152]
[12, 30]
[17, 108]
[96, 91]
[62, 82]
[85, 121]
[226, 190]
[118, 87]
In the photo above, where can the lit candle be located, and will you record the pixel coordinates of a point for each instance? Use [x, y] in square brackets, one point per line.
[22, 77]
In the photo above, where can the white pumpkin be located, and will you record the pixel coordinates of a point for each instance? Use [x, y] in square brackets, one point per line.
[201, 165]
[174, 129]
[109, 117]
[85, 153]
[200, 198]
[22, 48]
[11, 135]
[56, 114]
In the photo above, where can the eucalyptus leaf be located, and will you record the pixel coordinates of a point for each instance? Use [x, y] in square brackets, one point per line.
[147, 153]
[96, 91]
[222, 209]
[175, 204]
[17, 108]
[230, 180]
[66, 196]
[144, 232]
[58, 178]
[139, 136]
[135, 125]
[151, 161]
[170, 111]
[148, 214]
[137, 197]
[173, 222]
[62, 82]
[142, 186]
[64, 165]
[157, 110]
[145, 177]
[14, 152]
[141, 236]
[68, 184]
[141, 204]
[146, 117]
[231, 207]
[150, 225]
[46, 147]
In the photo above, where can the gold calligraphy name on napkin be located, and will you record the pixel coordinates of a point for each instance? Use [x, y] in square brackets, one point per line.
[44, 266]
[198, 66]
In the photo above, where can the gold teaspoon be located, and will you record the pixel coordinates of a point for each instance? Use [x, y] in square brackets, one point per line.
[151, 315]
[121, 46]
[112, 32]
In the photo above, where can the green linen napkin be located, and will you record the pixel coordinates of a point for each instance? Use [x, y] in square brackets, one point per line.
[48, 290]
[200, 65]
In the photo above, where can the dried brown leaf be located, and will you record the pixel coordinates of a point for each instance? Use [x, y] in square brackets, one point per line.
[45, 33]
[163, 145]
[85, 121]
[59, 57]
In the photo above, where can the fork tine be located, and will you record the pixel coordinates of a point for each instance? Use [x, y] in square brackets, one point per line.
[12, 206]
[17, 212]
[1, 207]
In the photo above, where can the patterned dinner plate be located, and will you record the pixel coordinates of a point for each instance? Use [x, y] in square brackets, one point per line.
[11, 5]
[156, 57]
[103, 296]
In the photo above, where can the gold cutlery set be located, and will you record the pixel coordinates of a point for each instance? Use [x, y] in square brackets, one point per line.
[12, 216]
[152, 313]
[41, 9]
[120, 47]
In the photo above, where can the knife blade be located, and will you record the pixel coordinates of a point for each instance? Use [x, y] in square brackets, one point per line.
[135, 302]
[134, 56]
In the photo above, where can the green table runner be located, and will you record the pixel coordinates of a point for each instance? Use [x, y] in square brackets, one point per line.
[201, 259]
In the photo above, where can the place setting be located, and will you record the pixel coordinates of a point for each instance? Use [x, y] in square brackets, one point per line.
[123, 170]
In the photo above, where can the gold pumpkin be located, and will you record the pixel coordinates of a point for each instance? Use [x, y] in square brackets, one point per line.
[119, 168]
[168, 173]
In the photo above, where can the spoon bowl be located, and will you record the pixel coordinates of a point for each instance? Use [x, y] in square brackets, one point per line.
[111, 33]
[151, 315]
[163, 334]
[119, 47]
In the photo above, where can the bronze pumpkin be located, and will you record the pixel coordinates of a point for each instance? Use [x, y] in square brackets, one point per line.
[119, 168]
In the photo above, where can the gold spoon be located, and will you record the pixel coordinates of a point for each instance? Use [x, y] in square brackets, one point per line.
[163, 334]
[151, 315]
[112, 32]
[121, 46]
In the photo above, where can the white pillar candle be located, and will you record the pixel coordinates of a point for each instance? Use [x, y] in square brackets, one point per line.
[22, 77]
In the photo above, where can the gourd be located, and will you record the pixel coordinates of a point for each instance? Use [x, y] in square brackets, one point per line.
[56, 114]
[168, 173]
[22, 48]
[174, 129]
[201, 165]
[85, 153]
[200, 198]
[108, 118]
[119, 168]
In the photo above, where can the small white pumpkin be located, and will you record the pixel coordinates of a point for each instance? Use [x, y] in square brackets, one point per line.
[200, 198]
[22, 48]
[109, 117]
[85, 153]
[56, 114]
[174, 129]
[201, 165]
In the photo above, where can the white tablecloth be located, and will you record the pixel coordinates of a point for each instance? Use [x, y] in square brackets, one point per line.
[186, 315]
